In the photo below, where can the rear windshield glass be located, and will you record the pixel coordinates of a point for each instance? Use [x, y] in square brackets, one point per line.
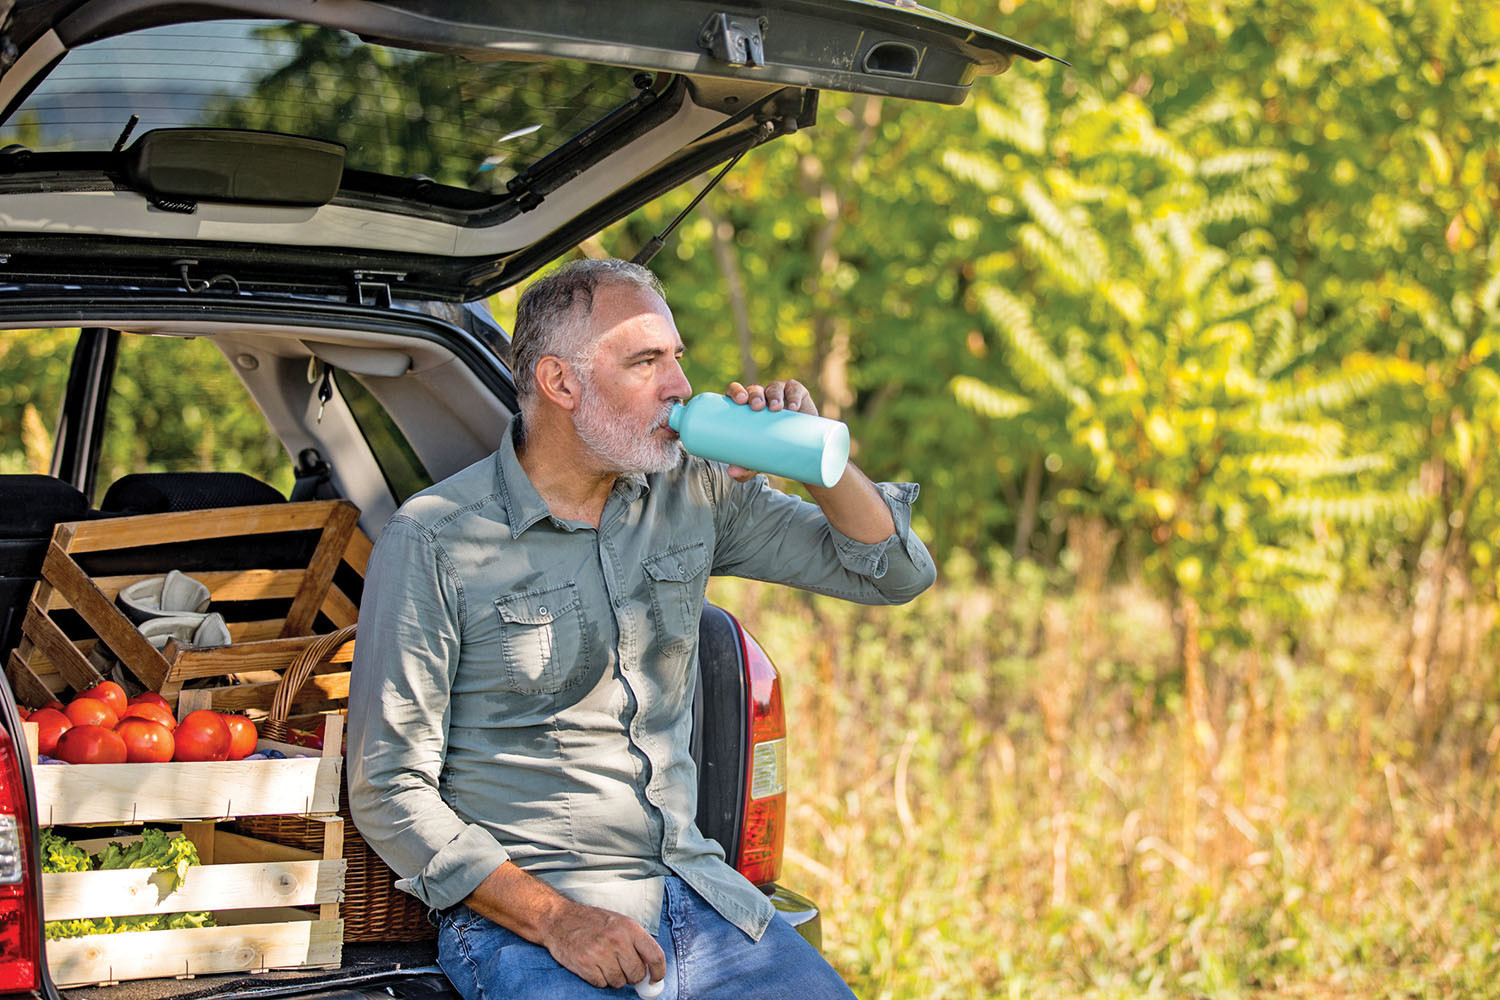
[402, 113]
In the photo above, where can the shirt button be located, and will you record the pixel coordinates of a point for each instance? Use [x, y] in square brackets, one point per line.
[542, 610]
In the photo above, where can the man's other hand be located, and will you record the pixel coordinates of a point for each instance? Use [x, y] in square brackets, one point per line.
[603, 948]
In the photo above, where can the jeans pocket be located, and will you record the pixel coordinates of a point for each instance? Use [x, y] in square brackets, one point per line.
[543, 645]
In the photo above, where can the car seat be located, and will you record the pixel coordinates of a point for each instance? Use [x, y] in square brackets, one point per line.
[161, 492]
[30, 507]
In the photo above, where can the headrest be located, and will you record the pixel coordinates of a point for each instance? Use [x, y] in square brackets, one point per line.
[30, 505]
[161, 492]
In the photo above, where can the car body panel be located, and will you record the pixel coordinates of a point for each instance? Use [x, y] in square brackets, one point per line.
[713, 82]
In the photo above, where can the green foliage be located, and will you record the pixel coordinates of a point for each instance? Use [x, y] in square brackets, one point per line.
[177, 406]
[36, 370]
[950, 758]
[1230, 281]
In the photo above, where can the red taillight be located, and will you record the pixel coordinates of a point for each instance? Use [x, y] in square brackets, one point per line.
[20, 916]
[764, 829]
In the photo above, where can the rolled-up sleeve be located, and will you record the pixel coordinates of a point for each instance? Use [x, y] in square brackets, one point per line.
[765, 534]
[405, 656]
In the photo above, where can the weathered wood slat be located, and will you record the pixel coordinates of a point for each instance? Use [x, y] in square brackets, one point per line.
[65, 657]
[134, 891]
[256, 631]
[225, 585]
[233, 848]
[358, 553]
[29, 687]
[339, 609]
[269, 654]
[322, 688]
[337, 530]
[112, 627]
[288, 943]
[193, 525]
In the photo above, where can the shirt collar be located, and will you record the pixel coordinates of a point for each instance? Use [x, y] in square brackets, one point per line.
[524, 506]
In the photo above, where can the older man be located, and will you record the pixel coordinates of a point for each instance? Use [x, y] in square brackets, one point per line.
[521, 705]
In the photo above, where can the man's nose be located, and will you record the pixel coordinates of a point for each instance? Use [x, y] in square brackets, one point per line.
[677, 384]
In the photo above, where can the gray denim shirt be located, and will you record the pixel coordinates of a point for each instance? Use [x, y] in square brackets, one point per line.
[523, 686]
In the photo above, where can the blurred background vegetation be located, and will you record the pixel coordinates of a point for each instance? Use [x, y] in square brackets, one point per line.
[1192, 347]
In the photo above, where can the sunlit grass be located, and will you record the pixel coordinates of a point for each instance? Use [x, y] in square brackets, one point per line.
[991, 797]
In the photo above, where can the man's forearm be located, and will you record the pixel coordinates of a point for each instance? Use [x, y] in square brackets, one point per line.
[855, 507]
[517, 901]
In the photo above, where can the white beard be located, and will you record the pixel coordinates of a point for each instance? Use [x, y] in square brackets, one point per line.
[622, 448]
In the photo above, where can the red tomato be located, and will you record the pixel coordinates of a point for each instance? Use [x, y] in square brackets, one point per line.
[91, 745]
[153, 698]
[54, 703]
[110, 693]
[201, 735]
[302, 738]
[146, 742]
[149, 710]
[242, 735]
[50, 724]
[83, 711]
[25, 712]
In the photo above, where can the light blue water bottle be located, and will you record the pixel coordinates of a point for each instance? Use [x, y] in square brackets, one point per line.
[786, 443]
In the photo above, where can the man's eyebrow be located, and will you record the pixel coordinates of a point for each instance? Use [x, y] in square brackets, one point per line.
[654, 352]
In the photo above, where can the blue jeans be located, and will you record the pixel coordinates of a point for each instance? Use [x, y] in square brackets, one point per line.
[708, 958]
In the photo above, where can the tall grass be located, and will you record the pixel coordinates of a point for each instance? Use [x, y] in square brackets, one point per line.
[996, 792]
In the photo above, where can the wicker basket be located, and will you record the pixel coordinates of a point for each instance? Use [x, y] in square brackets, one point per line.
[373, 908]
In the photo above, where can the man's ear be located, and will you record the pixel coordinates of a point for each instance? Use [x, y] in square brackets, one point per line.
[557, 383]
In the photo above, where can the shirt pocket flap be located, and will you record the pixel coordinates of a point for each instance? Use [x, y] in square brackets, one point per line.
[538, 607]
[680, 565]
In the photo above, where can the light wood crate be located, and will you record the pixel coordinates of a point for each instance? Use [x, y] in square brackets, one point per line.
[88, 794]
[252, 887]
[47, 662]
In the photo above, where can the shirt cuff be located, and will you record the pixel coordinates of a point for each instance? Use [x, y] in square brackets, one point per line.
[456, 871]
[872, 559]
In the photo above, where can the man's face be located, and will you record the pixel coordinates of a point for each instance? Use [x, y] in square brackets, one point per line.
[631, 383]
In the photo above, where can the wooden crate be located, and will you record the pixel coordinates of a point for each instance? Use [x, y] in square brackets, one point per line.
[252, 887]
[84, 794]
[47, 661]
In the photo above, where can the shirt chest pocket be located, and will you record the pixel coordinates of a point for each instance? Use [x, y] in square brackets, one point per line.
[677, 579]
[543, 645]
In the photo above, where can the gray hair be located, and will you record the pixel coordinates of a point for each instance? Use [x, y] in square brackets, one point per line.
[552, 316]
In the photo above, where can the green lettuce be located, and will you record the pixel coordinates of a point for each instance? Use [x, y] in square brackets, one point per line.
[155, 849]
[169, 853]
[59, 854]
